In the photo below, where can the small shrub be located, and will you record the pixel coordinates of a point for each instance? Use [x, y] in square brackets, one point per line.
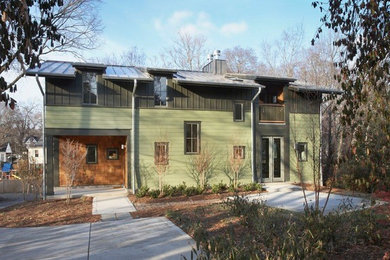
[169, 190]
[181, 188]
[232, 188]
[219, 188]
[142, 192]
[154, 193]
[253, 186]
[191, 191]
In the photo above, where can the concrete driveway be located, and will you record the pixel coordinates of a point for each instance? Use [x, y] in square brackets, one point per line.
[147, 238]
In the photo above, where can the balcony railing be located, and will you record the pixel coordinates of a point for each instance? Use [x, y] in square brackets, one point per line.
[271, 113]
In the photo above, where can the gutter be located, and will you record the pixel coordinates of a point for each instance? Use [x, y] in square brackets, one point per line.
[44, 138]
[132, 141]
[253, 129]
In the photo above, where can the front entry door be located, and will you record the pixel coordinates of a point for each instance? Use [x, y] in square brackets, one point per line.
[271, 159]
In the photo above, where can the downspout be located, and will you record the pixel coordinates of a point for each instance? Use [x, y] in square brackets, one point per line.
[253, 129]
[44, 138]
[133, 137]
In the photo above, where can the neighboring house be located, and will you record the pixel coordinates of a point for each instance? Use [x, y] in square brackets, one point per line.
[131, 118]
[34, 147]
[5, 153]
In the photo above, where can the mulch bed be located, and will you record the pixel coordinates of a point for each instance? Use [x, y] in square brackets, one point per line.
[149, 207]
[48, 213]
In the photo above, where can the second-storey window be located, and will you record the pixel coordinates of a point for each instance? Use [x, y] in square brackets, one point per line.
[160, 91]
[192, 137]
[238, 113]
[90, 91]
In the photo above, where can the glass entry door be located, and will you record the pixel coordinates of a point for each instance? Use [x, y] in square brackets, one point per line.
[271, 159]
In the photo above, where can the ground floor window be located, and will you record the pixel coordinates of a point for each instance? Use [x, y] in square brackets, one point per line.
[239, 152]
[112, 154]
[161, 153]
[92, 156]
[302, 152]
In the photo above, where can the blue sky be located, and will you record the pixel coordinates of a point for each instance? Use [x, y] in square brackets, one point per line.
[151, 25]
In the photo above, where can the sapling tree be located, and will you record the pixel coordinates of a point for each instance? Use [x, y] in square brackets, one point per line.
[30, 175]
[236, 165]
[201, 167]
[73, 155]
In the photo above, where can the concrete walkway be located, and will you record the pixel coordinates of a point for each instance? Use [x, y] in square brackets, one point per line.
[147, 238]
[290, 197]
[112, 205]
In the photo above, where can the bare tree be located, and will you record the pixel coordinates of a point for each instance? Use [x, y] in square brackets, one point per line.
[131, 57]
[201, 167]
[187, 52]
[283, 56]
[73, 154]
[30, 175]
[241, 60]
[79, 24]
[16, 125]
[236, 166]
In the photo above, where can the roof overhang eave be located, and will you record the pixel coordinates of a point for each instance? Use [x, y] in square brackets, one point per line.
[127, 78]
[52, 75]
[318, 90]
[219, 84]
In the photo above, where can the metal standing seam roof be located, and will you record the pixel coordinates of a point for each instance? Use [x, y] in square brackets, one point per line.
[67, 70]
[125, 73]
[54, 69]
[204, 78]
[310, 88]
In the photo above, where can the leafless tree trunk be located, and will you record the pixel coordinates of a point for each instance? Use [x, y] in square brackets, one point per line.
[201, 167]
[73, 155]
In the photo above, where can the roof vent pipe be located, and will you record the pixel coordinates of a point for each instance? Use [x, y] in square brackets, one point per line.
[217, 54]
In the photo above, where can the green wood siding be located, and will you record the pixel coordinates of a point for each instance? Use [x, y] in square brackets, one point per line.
[68, 92]
[218, 132]
[88, 117]
[304, 128]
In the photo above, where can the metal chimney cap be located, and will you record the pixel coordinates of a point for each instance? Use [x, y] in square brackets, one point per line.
[217, 54]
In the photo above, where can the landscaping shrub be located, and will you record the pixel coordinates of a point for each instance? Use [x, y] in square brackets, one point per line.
[191, 191]
[142, 192]
[219, 188]
[271, 233]
[181, 188]
[154, 193]
[169, 190]
[253, 186]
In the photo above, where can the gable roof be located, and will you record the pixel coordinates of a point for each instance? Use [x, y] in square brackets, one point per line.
[5, 148]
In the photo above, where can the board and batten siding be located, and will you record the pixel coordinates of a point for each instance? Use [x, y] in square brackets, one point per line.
[304, 128]
[87, 117]
[218, 133]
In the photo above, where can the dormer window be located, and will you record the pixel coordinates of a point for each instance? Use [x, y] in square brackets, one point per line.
[90, 91]
[160, 91]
